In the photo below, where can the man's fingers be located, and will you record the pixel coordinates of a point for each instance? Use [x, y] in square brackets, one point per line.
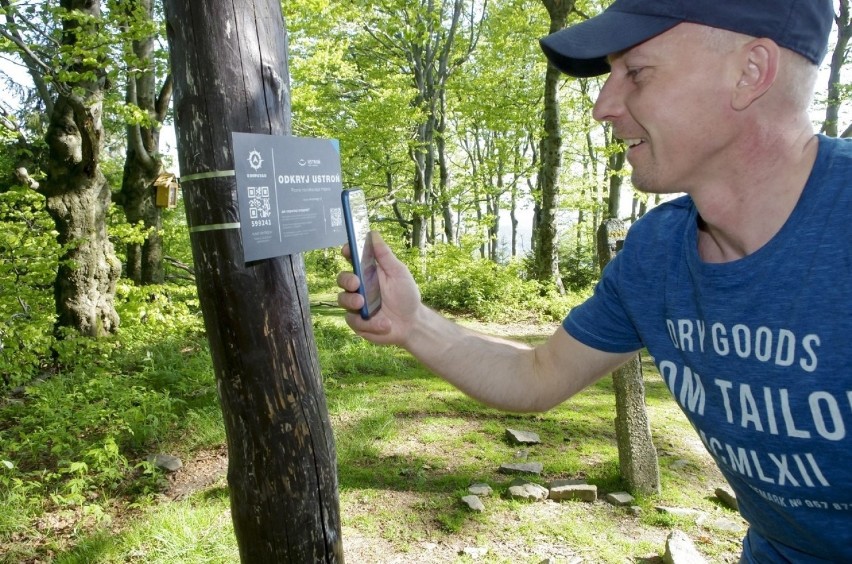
[351, 301]
[376, 326]
[348, 281]
[382, 251]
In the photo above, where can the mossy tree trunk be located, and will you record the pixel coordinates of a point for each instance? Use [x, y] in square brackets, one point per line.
[76, 191]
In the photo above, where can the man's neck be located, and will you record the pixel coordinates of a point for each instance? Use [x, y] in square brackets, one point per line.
[741, 215]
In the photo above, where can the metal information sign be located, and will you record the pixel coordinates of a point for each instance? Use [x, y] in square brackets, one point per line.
[288, 190]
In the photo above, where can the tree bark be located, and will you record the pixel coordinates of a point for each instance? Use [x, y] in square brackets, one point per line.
[443, 168]
[229, 62]
[838, 58]
[143, 162]
[545, 257]
[76, 191]
[615, 164]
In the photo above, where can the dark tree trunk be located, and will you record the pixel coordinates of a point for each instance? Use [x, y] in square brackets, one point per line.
[229, 62]
[615, 164]
[144, 260]
[143, 162]
[545, 257]
[76, 191]
[444, 170]
[843, 21]
[513, 218]
[423, 170]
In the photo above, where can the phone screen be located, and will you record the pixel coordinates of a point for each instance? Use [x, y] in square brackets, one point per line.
[361, 250]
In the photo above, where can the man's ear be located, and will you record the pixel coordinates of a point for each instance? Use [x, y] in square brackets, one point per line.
[758, 70]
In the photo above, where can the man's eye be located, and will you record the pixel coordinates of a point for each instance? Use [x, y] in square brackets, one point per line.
[633, 72]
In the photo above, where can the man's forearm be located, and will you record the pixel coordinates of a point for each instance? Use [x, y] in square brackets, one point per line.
[499, 372]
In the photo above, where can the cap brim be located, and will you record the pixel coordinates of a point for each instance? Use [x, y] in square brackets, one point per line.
[581, 50]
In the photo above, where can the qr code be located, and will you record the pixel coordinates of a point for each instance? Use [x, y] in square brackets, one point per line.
[336, 217]
[259, 202]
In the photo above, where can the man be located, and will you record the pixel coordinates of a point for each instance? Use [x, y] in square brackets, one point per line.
[740, 290]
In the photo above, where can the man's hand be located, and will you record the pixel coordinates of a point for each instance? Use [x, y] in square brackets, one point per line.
[502, 373]
[400, 298]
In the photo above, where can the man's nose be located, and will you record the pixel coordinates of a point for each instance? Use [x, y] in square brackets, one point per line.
[610, 102]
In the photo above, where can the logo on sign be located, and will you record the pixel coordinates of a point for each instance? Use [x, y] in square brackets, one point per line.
[255, 160]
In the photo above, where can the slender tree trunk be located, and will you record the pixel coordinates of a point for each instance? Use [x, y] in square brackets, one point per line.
[494, 210]
[615, 163]
[143, 162]
[429, 57]
[76, 191]
[480, 221]
[838, 59]
[513, 218]
[229, 61]
[443, 168]
[404, 224]
[546, 260]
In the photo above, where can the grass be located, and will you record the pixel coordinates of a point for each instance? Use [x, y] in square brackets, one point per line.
[408, 447]
[198, 530]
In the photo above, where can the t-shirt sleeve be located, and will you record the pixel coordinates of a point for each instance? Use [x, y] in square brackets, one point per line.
[602, 322]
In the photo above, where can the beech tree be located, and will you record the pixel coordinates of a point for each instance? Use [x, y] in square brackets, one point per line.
[148, 96]
[545, 258]
[493, 127]
[427, 42]
[65, 51]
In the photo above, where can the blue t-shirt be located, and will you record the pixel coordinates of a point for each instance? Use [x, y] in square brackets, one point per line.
[757, 352]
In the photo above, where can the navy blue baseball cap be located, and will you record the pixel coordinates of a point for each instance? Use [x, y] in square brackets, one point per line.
[802, 26]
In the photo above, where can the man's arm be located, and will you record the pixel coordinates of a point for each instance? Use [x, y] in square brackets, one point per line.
[498, 372]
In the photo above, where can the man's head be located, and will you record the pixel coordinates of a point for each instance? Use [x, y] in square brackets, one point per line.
[801, 26]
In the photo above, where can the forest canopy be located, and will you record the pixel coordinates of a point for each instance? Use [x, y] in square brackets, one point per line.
[485, 172]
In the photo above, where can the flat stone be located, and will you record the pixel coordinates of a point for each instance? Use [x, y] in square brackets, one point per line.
[474, 552]
[558, 483]
[480, 489]
[166, 462]
[564, 490]
[722, 524]
[681, 550]
[522, 437]
[728, 498]
[521, 468]
[679, 511]
[527, 491]
[474, 503]
[619, 499]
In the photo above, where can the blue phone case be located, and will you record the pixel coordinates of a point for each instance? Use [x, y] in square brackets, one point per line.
[357, 233]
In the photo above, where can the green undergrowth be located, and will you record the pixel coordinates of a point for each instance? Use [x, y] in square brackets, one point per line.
[75, 486]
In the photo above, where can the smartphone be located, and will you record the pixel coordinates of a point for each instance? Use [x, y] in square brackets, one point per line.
[361, 250]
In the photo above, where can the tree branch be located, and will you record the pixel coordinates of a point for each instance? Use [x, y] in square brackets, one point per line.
[161, 108]
[134, 130]
[37, 68]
